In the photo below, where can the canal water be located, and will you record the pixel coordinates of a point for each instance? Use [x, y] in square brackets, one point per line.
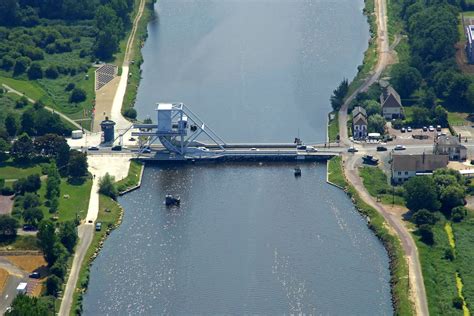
[248, 238]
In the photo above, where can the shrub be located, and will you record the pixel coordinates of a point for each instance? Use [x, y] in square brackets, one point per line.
[35, 71]
[458, 302]
[52, 285]
[458, 213]
[449, 254]
[21, 64]
[107, 187]
[21, 103]
[70, 86]
[7, 191]
[426, 234]
[130, 113]
[52, 72]
[78, 95]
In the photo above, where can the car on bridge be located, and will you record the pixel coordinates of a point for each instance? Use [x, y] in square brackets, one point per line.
[117, 148]
[93, 148]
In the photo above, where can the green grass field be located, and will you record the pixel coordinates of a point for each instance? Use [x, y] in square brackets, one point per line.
[464, 236]
[376, 183]
[13, 170]
[335, 173]
[333, 127]
[457, 119]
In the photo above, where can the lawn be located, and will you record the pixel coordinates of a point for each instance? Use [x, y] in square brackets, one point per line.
[73, 200]
[464, 236]
[335, 172]
[132, 178]
[376, 183]
[21, 243]
[13, 170]
[108, 219]
[333, 127]
[29, 88]
[457, 119]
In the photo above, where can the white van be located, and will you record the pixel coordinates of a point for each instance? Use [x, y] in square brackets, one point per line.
[21, 288]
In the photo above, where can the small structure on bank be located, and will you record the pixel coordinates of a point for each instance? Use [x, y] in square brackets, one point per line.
[107, 126]
[391, 104]
[359, 123]
[405, 166]
[450, 146]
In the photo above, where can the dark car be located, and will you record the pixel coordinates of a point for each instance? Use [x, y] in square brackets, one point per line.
[35, 275]
[29, 228]
[425, 129]
[93, 148]
[301, 147]
[381, 148]
[352, 150]
[117, 148]
[403, 130]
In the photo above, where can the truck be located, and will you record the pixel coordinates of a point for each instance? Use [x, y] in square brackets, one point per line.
[21, 288]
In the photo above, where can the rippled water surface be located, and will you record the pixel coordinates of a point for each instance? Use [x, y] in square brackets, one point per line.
[248, 238]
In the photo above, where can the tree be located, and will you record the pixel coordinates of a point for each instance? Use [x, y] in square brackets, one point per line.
[8, 226]
[53, 182]
[30, 200]
[9, 12]
[338, 95]
[405, 79]
[28, 122]
[21, 64]
[32, 183]
[22, 148]
[46, 240]
[26, 305]
[107, 187]
[53, 146]
[21, 102]
[4, 149]
[68, 235]
[78, 95]
[420, 193]
[11, 124]
[7, 62]
[376, 124]
[426, 234]
[458, 213]
[458, 303]
[53, 285]
[51, 72]
[53, 205]
[35, 71]
[420, 116]
[372, 107]
[423, 216]
[451, 196]
[32, 216]
[440, 116]
[77, 165]
[109, 28]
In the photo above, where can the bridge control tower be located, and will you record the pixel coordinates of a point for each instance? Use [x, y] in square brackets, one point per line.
[177, 129]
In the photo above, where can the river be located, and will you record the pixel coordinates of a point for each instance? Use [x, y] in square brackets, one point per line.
[248, 238]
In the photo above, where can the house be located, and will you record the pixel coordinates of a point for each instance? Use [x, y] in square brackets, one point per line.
[359, 123]
[470, 43]
[391, 104]
[451, 146]
[405, 166]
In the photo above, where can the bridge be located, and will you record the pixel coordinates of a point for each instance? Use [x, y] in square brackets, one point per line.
[179, 130]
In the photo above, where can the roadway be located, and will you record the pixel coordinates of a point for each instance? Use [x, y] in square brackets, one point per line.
[386, 56]
[16, 275]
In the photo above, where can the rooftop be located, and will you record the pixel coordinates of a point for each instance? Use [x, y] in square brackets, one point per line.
[419, 162]
[390, 91]
[359, 110]
[448, 140]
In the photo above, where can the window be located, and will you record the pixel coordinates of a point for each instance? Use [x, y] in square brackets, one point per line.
[406, 173]
[399, 172]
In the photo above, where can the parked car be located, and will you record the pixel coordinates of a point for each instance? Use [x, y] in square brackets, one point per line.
[29, 228]
[117, 148]
[352, 150]
[400, 147]
[438, 128]
[381, 148]
[35, 275]
[98, 226]
[431, 128]
[409, 129]
[93, 148]
[403, 130]
[132, 139]
[425, 129]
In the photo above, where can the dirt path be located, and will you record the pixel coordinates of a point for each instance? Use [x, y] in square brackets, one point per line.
[63, 116]
[386, 56]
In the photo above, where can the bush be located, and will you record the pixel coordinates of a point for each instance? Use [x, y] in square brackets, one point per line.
[130, 113]
[35, 72]
[458, 214]
[52, 285]
[52, 72]
[21, 103]
[426, 234]
[70, 86]
[449, 254]
[78, 95]
[107, 186]
[423, 216]
[7, 191]
[458, 302]
[21, 64]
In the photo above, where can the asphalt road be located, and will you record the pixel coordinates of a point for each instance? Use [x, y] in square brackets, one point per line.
[16, 276]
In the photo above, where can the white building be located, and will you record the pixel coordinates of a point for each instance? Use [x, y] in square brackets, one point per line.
[451, 146]
[405, 166]
[391, 104]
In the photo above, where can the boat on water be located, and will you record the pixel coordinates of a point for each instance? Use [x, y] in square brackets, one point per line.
[297, 172]
[170, 200]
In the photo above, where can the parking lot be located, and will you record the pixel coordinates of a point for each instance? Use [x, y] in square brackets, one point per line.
[406, 137]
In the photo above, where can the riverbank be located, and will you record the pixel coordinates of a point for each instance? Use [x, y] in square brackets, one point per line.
[400, 287]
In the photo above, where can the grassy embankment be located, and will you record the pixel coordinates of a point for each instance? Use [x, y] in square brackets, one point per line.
[370, 55]
[133, 177]
[136, 55]
[398, 265]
